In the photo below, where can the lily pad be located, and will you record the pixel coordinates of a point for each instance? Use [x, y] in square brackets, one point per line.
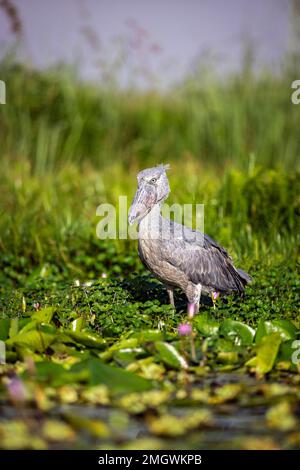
[57, 375]
[123, 357]
[90, 340]
[206, 325]
[77, 324]
[44, 316]
[129, 343]
[117, 380]
[170, 356]
[37, 340]
[147, 336]
[13, 327]
[280, 416]
[238, 332]
[266, 354]
[285, 328]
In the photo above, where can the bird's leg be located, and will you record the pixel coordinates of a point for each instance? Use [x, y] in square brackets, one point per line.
[170, 291]
[192, 309]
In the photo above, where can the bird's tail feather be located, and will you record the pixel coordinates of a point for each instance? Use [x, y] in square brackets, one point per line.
[245, 277]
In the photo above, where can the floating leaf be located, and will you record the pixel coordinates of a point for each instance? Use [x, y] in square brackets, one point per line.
[285, 328]
[266, 353]
[77, 324]
[97, 395]
[35, 325]
[90, 340]
[14, 327]
[128, 343]
[57, 375]
[16, 435]
[228, 357]
[147, 336]
[170, 425]
[147, 368]
[225, 393]
[36, 340]
[95, 427]
[280, 417]
[138, 403]
[287, 353]
[206, 325]
[167, 425]
[67, 394]
[117, 380]
[123, 357]
[238, 332]
[170, 356]
[54, 430]
[44, 316]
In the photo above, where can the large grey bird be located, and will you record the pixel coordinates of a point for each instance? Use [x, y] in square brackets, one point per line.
[177, 255]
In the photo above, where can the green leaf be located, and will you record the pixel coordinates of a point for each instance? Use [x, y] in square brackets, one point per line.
[228, 357]
[238, 332]
[281, 417]
[77, 324]
[117, 380]
[266, 353]
[170, 356]
[44, 316]
[36, 340]
[128, 343]
[96, 428]
[286, 351]
[14, 327]
[206, 325]
[285, 328]
[89, 340]
[148, 336]
[56, 375]
[123, 357]
[41, 317]
[4, 328]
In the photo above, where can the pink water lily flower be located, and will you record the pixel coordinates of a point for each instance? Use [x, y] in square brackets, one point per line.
[215, 295]
[184, 329]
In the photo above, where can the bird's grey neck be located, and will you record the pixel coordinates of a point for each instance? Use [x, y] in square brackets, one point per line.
[151, 224]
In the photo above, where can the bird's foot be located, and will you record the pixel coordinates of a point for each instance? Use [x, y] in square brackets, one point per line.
[171, 297]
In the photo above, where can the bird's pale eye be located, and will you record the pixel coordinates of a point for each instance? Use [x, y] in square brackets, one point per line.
[153, 180]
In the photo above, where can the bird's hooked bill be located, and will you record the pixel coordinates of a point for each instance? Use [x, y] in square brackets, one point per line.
[143, 201]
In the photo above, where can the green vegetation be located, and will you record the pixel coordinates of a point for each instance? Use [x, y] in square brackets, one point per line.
[82, 320]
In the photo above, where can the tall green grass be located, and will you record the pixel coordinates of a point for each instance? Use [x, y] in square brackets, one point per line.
[51, 118]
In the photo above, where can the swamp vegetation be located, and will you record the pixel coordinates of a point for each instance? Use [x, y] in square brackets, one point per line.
[93, 354]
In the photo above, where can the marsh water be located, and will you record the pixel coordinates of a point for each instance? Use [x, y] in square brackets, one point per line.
[235, 424]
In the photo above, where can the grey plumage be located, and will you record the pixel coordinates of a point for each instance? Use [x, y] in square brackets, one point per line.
[178, 255]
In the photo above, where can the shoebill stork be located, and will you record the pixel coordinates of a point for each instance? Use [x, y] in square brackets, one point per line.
[177, 255]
